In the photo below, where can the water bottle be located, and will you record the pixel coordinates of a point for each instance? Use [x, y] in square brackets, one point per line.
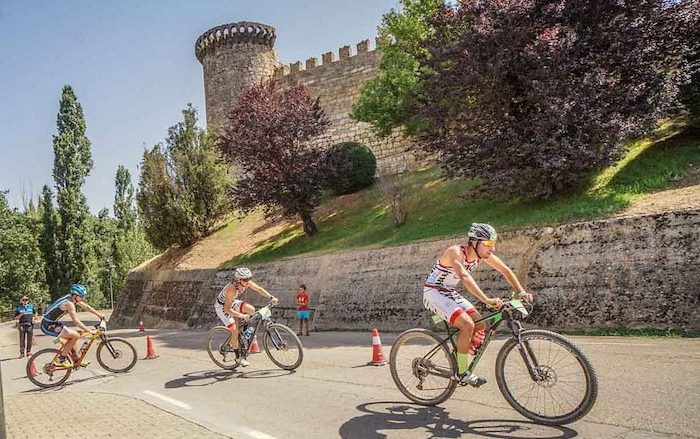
[84, 347]
[249, 332]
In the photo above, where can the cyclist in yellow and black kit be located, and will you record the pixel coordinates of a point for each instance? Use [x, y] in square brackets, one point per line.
[51, 326]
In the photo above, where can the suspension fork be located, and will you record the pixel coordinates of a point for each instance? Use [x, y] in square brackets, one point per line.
[104, 339]
[526, 352]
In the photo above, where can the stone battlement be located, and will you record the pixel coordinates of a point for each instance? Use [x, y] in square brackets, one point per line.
[234, 33]
[327, 58]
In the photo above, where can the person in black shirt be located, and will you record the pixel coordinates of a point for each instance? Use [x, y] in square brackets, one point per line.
[25, 315]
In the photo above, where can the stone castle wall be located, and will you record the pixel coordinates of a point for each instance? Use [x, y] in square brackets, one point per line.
[238, 55]
[636, 272]
[337, 82]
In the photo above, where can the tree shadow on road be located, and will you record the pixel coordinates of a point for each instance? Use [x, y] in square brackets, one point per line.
[437, 423]
[202, 378]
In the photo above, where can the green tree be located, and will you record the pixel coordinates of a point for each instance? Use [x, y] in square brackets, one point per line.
[21, 265]
[385, 101]
[184, 189]
[105, 230]
[72, 164]
[129, 247]
[49, 219]
[124, 211]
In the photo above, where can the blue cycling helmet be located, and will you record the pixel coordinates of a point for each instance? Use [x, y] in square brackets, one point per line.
[78, 290]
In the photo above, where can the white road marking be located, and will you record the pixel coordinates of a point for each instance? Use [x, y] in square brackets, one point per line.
[168, 399]
[255, 433]
[612, 344]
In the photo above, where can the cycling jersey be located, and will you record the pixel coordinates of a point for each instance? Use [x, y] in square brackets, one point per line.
[444, 278]
[49, 323]
[439, 295]
[237, 305]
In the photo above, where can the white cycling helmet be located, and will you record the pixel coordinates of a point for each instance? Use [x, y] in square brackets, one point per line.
[242, 273]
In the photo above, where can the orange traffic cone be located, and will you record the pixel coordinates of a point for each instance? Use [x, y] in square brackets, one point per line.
[254, 348]
[377, 354]
[150, 352]
[141, 327]
[32, 369]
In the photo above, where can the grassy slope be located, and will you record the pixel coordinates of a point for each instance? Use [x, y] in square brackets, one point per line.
[439, 207]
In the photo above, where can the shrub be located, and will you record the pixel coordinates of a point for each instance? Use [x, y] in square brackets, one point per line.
[351, 167]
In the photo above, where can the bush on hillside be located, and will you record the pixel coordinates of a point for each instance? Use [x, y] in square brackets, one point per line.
[350, 167]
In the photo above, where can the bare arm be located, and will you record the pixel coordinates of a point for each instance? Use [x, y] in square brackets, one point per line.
[502, 268]
[260, 290]
[70, 308]
[84, 305]
[228, 303]
[453, 259]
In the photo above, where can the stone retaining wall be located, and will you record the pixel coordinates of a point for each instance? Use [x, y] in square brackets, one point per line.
[636, 272]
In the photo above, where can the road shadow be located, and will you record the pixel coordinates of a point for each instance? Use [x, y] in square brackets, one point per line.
[195, 339]
[436, 422]
[68, 383]
[203, 378]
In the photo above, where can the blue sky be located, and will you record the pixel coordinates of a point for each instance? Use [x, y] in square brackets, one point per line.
[132, 66]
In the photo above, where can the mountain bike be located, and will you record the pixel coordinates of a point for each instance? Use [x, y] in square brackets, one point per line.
[114, 354]
[541, 374]
[280, 343]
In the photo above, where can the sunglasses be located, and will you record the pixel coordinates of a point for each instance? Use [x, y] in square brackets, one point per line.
[489, 243]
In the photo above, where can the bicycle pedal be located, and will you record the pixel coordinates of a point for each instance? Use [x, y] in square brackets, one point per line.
[476, 383]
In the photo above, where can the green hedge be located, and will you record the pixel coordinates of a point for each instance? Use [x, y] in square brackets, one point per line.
[351, 167]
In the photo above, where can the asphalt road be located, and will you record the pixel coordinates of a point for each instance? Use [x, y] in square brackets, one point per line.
[648, 389]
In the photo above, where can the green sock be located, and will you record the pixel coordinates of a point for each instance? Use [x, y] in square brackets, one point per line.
[461, 363]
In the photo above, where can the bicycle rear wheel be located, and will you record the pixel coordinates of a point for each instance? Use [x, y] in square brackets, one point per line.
[283, 346]
[42, 372]
[565, 386]
[422, 368]
[116, 355]
[217, 339]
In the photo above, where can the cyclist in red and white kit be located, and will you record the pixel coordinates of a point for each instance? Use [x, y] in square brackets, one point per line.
[229, 308]
[440, 295]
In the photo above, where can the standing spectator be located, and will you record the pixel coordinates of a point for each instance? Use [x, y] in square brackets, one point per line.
[25, 315]
[303, 309]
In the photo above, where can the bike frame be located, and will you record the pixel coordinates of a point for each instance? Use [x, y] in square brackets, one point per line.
[83, 352]
[241, 339]
[494, 320]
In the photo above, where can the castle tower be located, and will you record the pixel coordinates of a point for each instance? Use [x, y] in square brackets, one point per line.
[235, 57]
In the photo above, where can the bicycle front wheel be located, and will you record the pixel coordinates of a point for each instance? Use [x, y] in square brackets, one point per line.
[217, 340]
[43, 372]
[561, 385]
[283, 346]
[422, 367]
[116, 355]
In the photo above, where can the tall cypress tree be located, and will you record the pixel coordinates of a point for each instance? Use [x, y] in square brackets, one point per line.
[72, 164]
[124, 200]
[48, 240]
[130, 247]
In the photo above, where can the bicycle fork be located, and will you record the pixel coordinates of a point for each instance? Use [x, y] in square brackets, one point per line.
[526, 352]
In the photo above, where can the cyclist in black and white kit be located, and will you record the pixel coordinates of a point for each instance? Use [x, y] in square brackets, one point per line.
[230, 309]
[440, 295]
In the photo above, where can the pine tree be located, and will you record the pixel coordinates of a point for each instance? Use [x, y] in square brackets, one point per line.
[184, 189]
[72, 164]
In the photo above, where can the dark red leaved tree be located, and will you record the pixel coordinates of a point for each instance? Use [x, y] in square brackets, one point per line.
[533, 95]
[274, 138]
